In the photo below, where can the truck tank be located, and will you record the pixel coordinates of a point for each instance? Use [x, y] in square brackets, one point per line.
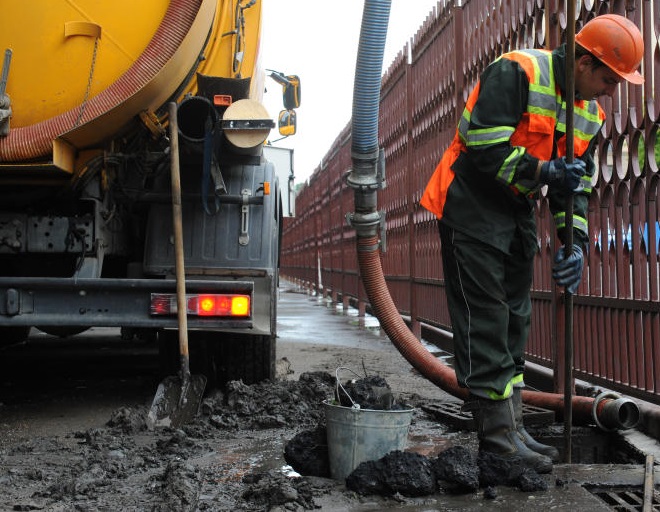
[85, 202]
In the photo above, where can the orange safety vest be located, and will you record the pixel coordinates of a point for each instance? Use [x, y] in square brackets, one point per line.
[535, 132]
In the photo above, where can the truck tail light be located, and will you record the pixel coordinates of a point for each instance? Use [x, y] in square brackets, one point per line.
[227, 305]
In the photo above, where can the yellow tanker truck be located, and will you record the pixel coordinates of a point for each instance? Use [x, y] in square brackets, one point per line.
[86, 232]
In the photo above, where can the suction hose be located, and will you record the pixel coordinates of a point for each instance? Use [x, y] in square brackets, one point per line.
[609, 412]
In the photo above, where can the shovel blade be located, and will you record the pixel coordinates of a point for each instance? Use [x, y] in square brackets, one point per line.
[176, 403]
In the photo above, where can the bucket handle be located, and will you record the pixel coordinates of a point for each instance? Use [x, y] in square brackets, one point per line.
[338, 385]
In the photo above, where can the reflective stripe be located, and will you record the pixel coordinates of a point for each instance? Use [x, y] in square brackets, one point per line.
[587, 122]
[518, 381]
[508, 390]
[579, 223]
[542, 99]
[508, 169]
[464, 124]
[488, 136]
[586, 184]
[541, 102]
[527, 187]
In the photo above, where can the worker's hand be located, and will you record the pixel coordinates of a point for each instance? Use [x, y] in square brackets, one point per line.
[566, 175]
[567, 271]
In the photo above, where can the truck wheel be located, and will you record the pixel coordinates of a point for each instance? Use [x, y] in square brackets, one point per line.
[13, 335]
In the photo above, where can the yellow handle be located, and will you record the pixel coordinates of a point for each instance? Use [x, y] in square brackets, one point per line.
[82, 28]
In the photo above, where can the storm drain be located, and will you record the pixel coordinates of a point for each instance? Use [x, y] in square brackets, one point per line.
[451, 413]
[625, 499]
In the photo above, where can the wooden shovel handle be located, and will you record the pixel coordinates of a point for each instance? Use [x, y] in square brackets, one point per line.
[177, 217]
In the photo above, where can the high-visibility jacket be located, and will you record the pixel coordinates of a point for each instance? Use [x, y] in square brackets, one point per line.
[539, 133]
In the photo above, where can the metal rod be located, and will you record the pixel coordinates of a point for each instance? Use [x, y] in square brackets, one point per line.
[568, 243]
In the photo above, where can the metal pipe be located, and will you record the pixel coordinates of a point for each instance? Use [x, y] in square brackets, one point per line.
[193, 113]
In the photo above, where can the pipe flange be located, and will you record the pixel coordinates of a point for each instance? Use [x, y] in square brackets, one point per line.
[594, 409]
[367, 183]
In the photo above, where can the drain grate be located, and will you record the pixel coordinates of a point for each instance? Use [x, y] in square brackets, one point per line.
[625, 499]
[450, 413]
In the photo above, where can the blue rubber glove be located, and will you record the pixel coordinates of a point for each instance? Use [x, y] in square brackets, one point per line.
[568, 271]
[560, 172]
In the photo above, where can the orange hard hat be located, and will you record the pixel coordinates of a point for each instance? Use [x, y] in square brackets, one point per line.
[616, 42]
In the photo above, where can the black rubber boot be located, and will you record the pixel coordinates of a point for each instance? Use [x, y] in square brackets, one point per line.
[530, 442]
[496, 429]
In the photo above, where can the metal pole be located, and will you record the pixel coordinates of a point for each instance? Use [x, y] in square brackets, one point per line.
[568, 296]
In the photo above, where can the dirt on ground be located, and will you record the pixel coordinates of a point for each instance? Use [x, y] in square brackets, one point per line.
[259, 447]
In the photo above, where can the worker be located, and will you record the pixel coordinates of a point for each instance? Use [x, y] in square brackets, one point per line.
[510, 142]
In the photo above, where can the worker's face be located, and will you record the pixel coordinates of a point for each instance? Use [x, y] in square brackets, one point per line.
[591, 82]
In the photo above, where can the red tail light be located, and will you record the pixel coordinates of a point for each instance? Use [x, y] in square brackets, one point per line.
[227, 305]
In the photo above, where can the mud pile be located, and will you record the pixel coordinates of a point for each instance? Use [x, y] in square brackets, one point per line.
[269, 405]
[454, 471]
[203, 465]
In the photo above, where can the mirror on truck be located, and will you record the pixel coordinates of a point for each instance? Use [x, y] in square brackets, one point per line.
[291, 92]
[290, 88]
[286, 123]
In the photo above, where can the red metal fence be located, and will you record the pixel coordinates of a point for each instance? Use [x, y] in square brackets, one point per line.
[617, 308]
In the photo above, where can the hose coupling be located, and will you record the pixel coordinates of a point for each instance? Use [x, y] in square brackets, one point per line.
[368, 172]
[616, 413]
[365, 224]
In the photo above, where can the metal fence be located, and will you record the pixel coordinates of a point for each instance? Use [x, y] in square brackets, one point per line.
[617, 307]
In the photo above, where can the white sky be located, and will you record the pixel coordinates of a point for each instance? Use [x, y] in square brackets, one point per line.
[318, 41]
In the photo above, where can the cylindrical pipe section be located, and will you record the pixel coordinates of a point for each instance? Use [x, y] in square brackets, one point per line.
[620, 413]
[193, 113]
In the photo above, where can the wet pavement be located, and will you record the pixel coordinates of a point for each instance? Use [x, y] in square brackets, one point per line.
[583, 487]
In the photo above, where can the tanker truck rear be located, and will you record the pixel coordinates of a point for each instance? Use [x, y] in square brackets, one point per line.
[86, 236]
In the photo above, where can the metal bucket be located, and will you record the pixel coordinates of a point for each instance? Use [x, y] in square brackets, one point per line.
[357, 435]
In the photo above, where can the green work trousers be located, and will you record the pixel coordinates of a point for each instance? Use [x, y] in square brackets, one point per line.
[488, 294]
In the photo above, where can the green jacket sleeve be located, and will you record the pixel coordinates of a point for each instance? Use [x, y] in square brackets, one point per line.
[503, 91]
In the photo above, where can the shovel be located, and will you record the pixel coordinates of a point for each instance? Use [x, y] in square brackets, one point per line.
[177, 398]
